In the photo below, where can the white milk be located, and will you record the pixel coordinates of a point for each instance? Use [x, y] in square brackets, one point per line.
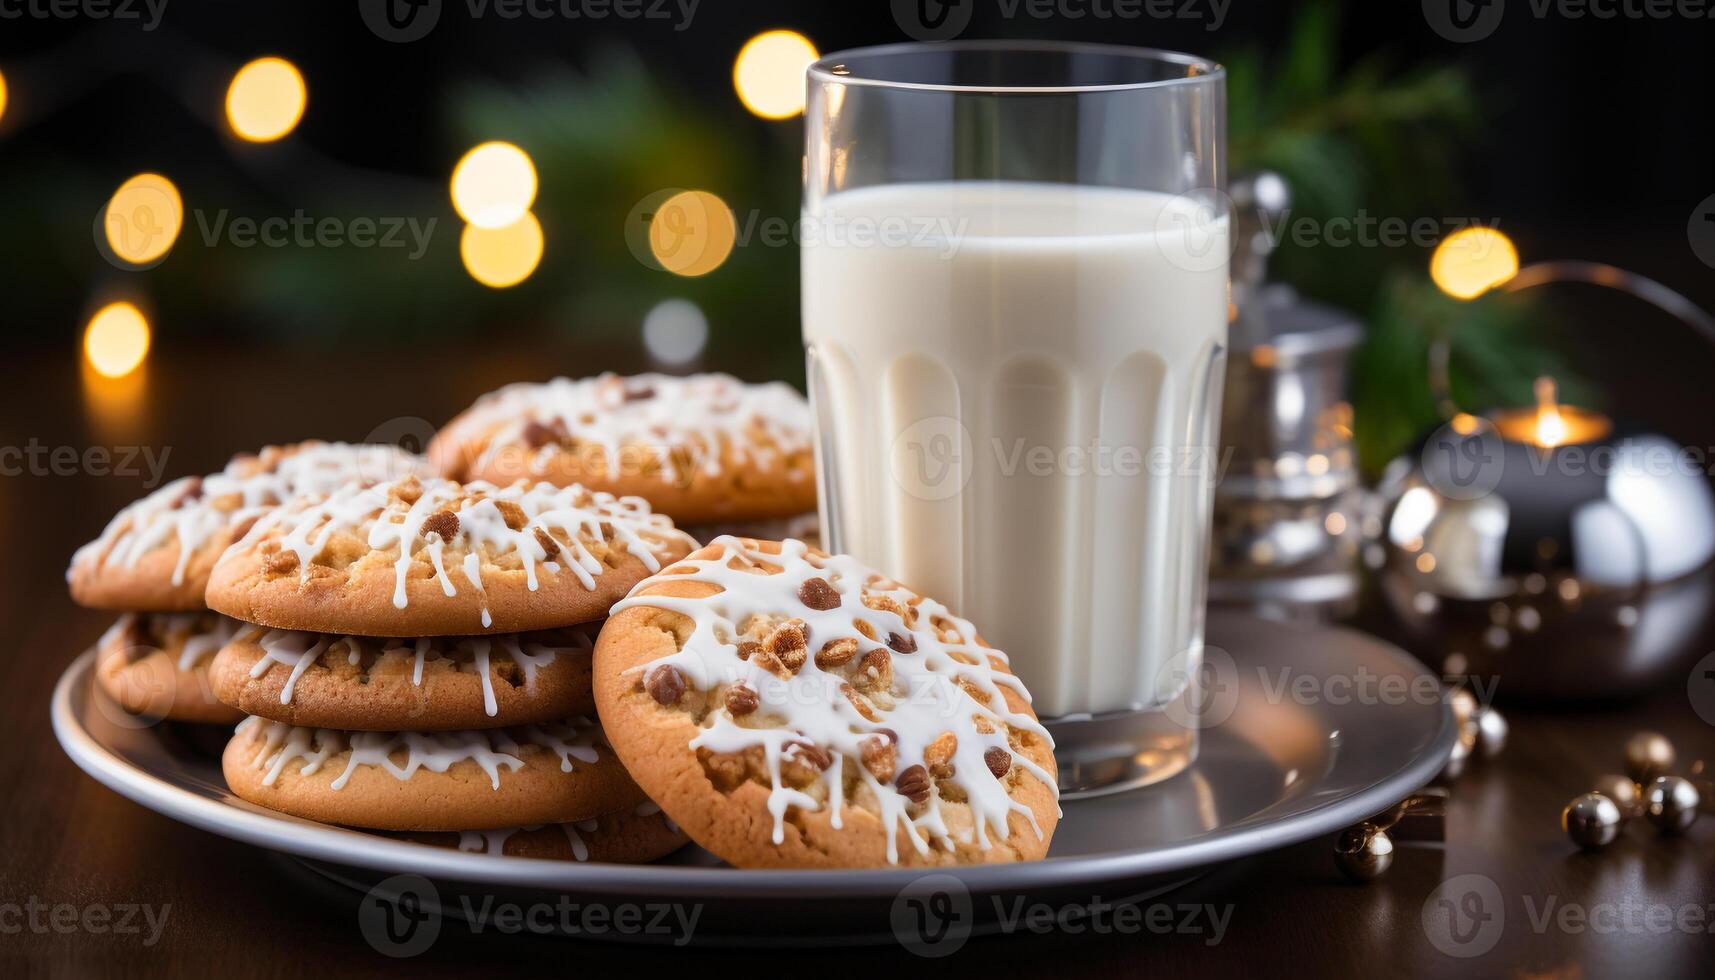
[1016, 388]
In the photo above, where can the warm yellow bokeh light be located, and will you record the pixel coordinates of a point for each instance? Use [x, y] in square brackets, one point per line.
[116, 340]
[502, 257]
[494, 185]
[692, 233]
[1472, 261]
[769, 73]
[265, 100]
[2, 95]
[143, 218]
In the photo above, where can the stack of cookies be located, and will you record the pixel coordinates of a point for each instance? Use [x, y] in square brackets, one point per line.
[715, 454]
[418, 659]
[152, 563]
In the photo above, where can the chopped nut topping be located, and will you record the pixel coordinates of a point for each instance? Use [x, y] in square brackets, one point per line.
[902, 642]
[813, 754]
[878, 666]
[546, 540]
[880, 758]
[512, 513]
[939, 754]
[282, 563]
[741, 700]
[442, 522]
[818, 595]
[537, 435]
[837, 653]
[409, 490]
[999, 761]
[913, 784]
[666, 685]
[861, 703]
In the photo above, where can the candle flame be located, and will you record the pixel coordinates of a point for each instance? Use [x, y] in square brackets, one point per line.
[1550, 425]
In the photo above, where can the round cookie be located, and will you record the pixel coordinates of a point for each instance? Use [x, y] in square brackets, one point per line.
[700, 449]
[635, 835]
[156, 665]
[155, 554]
[795, 710]
[437, 558]
[465, 780]
[424, 684]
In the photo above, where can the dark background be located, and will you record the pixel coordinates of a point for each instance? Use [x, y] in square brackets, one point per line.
[1596, 145]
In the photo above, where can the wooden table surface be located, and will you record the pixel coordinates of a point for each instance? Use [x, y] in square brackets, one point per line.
[232, 909]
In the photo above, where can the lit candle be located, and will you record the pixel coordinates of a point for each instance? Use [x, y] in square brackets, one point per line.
[1550, 424]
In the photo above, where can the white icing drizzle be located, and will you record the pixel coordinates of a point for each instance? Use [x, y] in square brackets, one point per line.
[656, 414]
[192, 510]
[387, 523]
[493, 749]
[201, 634]
[297, 651]
[927, 697]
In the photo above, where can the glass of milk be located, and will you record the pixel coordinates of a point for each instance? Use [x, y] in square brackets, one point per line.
[1015, 317]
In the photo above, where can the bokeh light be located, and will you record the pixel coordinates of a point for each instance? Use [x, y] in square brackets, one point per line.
[501, 257]
[1472, 261]
[675, 331]
[143, 219]
[265, 100]
[494, 185]
[769, 73]
[116, 340]
[692, 233]
[2, 95]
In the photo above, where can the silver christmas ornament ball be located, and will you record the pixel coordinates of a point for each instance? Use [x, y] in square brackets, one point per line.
[1671, 804]
[1627, 795]
[1648, 755]
[1592, 821]
[1363, 852]
[1491, 732]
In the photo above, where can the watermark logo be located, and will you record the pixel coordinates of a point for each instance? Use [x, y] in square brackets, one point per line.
[1700, 230]
[1700, 688]
[933, 20]
[932, 458]
[941, 20]
[1465, 917]
[932, 916]
[97, 918]
[1193, 230]
[400, 21]
[146, 12]
[1464, 459]
[1464, 21]
[400, 916]
[1199, 687]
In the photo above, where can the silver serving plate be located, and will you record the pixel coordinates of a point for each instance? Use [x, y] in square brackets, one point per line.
[1277, 769]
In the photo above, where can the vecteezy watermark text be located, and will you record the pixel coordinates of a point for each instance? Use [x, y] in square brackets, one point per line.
[942, 20]
[403, 21]
[98, 918]
[35, 459]
[148, 12]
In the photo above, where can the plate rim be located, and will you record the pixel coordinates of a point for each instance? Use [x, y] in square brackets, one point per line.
[306, 839]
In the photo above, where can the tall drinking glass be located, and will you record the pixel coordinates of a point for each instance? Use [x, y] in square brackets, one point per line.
[1015, 317]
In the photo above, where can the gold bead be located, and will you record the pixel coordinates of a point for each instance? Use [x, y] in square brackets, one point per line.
[1671, 804]
[1464, 705]
[1627, 795]
[1591, 820]
[1648, 755]
[1363, 852]
[1491, 732]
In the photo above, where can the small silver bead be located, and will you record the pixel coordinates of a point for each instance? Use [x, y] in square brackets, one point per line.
[1671, 804]
[1591, 820]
